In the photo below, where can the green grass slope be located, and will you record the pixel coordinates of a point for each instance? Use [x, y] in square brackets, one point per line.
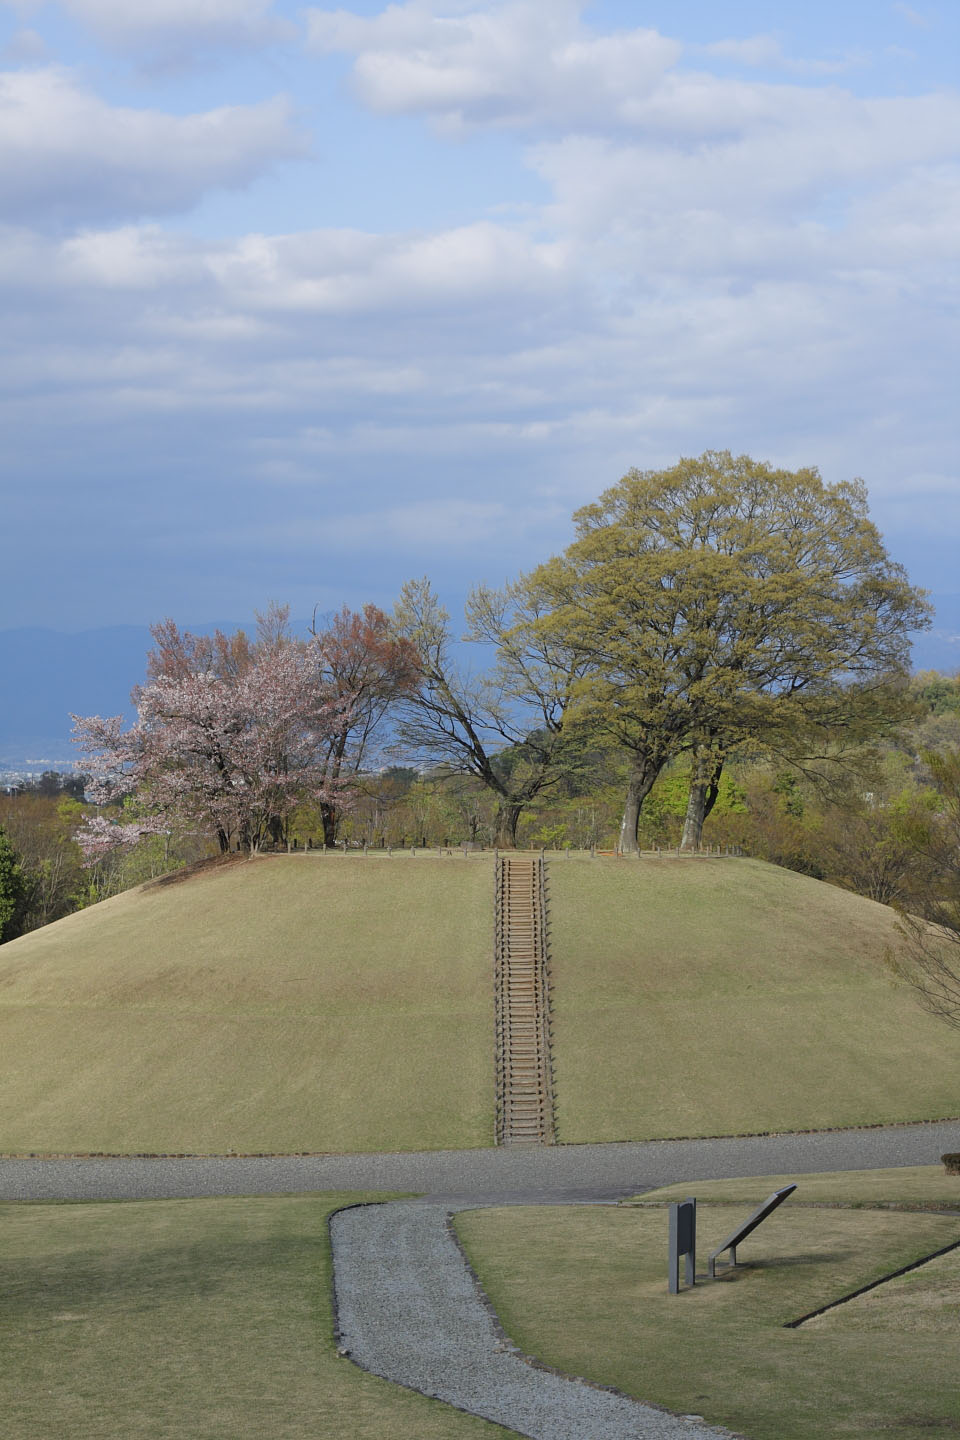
[346, 1004]
[716, 997]
[290, 1003]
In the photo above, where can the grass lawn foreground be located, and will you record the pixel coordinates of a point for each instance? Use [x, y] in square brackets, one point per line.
[585, 1289]
[155, 1320]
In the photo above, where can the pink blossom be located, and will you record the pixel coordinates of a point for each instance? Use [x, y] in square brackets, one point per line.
[231, 752]
[99, 837]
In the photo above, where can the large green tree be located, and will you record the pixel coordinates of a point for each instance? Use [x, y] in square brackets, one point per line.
[929, 958]
[723, 601]
[14, 890]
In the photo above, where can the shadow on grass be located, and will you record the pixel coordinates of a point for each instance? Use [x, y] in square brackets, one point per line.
[38, 1290]
[212, 865]
[780, 1262]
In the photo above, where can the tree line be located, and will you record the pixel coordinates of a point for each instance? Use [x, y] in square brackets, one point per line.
[712, 615]
[718, 604]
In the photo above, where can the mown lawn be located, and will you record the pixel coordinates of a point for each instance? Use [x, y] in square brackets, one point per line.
[727, 996]
[300, 1003]
[277, 1005]
[586, 1290]
[160, 1320]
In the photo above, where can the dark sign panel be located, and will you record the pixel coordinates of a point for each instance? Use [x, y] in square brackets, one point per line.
[683, 1241]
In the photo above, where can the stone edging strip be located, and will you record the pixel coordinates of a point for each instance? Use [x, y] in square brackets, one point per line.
[772, 1134]
[934, 1208]
[475, 1149]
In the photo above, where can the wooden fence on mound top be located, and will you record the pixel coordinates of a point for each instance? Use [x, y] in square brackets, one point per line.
[469, 850]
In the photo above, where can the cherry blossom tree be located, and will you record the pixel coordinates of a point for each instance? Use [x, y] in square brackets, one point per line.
[100, 837]
[231, 748]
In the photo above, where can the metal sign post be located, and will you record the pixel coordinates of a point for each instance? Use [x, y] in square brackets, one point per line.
[683, 1241]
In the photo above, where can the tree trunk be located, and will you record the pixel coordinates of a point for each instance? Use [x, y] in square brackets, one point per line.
[696, 814]
[713, 789]
[704, 789]
[329, 816]
[639, 786]
[505, 825]
[223, 840]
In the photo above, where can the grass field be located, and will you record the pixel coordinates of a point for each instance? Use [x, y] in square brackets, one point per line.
[284, 1004]
[585, 1289]
[157, 1320]
[719, 997]
[346, 1004]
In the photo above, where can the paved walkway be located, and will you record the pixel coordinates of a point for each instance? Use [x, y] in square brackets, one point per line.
[564, 1172]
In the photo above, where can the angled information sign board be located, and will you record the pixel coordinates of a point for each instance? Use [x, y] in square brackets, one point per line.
[748, 1226]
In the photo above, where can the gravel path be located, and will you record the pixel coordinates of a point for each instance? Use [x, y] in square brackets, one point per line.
[408, 1309]
[564, 1172]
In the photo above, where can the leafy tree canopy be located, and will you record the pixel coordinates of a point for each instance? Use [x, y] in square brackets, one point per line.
[14, 890]
[723, 599]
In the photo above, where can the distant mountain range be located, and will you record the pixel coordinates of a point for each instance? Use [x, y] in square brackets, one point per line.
[47, 674]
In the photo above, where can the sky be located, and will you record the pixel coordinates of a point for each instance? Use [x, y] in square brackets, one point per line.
[301, 302]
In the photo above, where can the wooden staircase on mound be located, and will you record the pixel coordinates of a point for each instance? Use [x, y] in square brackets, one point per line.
[524, 1069]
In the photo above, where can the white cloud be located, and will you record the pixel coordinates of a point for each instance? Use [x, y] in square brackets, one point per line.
[766, 52]
[514, 63]
[67, 155]
[759, 50]
[721, 263]
[175, 28]
[335, 319]
[424, 524]
[426, 528]
[738, 179]
[274, 279]
[912, 17]
[344, 272]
